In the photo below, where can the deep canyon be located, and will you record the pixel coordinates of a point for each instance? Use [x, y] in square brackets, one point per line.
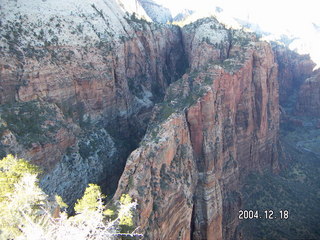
[189, 121]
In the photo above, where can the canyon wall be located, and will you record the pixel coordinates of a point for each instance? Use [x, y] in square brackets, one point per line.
[89, 89]
[217, 123]
[81, 84]
[298, 87]
[308, 103]
[293, 70]
[78, 89]
[78, 81]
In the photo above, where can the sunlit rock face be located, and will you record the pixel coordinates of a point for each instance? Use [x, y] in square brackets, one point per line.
[156, 11]
[217, 123]
[309, 96]
[83, 76]
[79, 82]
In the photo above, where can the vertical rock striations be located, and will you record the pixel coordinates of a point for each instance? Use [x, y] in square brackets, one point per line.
[94, 72]
[79, 83]
[217, 123]
[161, 175]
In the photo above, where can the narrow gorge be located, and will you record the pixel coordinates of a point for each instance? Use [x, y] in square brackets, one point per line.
[177, 117]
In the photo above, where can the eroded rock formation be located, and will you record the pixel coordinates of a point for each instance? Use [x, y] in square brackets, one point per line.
[309, 96]
[93, 72]
[293, 70]
[78, 91]
[217, 123]
[155, 11]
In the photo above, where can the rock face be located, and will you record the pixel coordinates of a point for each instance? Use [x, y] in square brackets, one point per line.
[161, 175]
[293, 70]
[82, 82]
[35, 130]
[155, 11]
[217, 123]
[183, 15]
[79, 84]
[309, 96]
[94, 72]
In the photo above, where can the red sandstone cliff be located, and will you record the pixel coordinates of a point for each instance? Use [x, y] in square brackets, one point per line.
[223, 122]
[78, 89]
[99, 69]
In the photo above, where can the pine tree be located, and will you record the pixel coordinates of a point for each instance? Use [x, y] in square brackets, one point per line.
[26, 213]
[12, 170]
[90, 200]
[125, 212]
[19, 195]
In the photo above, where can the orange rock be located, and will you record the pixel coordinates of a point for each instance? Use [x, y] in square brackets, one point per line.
[231, 127]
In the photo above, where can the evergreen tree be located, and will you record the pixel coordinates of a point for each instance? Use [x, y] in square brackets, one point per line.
[125, 212]
[90, 200]
[26, 213]
[11, 171]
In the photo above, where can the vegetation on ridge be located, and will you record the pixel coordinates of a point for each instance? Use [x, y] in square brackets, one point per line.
[32, 121]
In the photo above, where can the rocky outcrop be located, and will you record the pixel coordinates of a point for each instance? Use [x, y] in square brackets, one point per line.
[293, 70]
[99, 69]
[78, 92]
[180, 17]
[155, 11]
[37, 131]
[93, 159]
[309, 97]
[161, 175]
[219, 122]
[80, 82]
